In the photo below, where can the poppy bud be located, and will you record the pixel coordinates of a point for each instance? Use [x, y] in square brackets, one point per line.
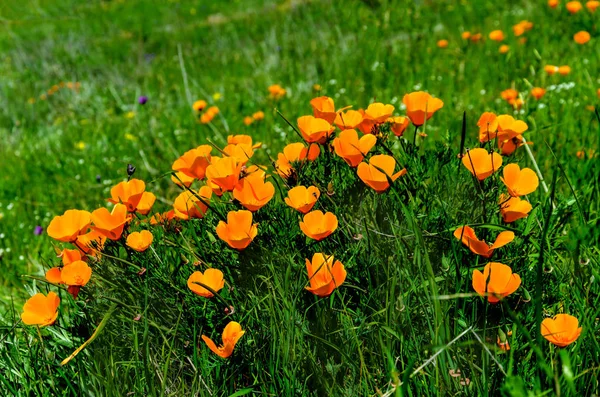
[130, 170]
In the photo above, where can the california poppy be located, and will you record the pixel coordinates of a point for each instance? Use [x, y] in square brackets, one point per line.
[110, 224]
[192, 205]
[238, 232]
[379, 112]
[467, 235]
[550, 69]
[488, 126]
[140, 241]
[398, 125]
[41, 310]
[317, 225]
[248, 120]
[475, 37]
[496, 282]
[76, 275]
[231, 335]
[538, 92]
[181, 179]
[420, 106]
[582, 37]
[513, 208]
[442, 43]
[253, 192]
[314, 130]
[71, 255]
[562, 330]
[68, 226]
[193, 163]
[199, 105]
[53, 275]
[324, 275]
[295, 152]
[509, 94]
[573, 7]
[509, 128]
[553, 3]
[128, 192]
[481, 163]
[276, 91]
[323, 108]
[146, 203]
[503, 49]
[302, 198]
[91, 243]
[496, 35]
[245, 139]
[564, 70]
[241, 152]
[351, 149]
[592, 5]
[348, 120]
[379, 172]
[519, 182]
[224, 172]
[258, 116]
[212, 278]
[161, 218]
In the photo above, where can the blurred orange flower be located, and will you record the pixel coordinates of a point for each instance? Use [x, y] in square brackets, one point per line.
[41, 310]
[592, 5]
[348, 120]
[564, 70]
[538, 92]
[231, 335]
[379, 172]
[317, 225]
[140, 241]
[550, 69]
[352, 149]
[442, 43]
[519, 182]
[503, 49]
[562, 330]
[165, 217]
[553, 3]
[110, 224]
[302, 198]
[68, 226]
[193, 163]
[248, 120]
[467, 235]
[497, 35]
[253, 192]
[239, 231]
[276, 92]
[420, 106]
[258, 116]
[513, 208]
[314, 130]
[573, 7]
[128, 193]
[199, 105]
[581, 37]
[496, 282]
[212, 278]
[465, 35]
[224, 172]
[323, 108]
[509, 94]
[481, 163]
[189, 205]
[324, 275]
[476, 37]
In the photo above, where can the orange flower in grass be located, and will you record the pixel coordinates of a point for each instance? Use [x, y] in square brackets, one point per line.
[442, 43]
[241, 152]
[420, 106]
[352, 149]
[323, 108]
[481, 163]
[488, 125]
[146, 203]
[238, 232]
[562, 330]
[573, 7]
[317, 225]
[140, 241]
[592, 5]
[53, 275]
[324, 275]
[76, 275]
[295, 152]
[513, 208]
[550, 69]
[564, 70]
[110, 224]
[91, 243]
[68, 226]
[162, 218]
[243, 139]
[41, 310]
[467, 235]
[192, 205]
[314, 130]
[71, 255]
[503, 49]
[509, 94]
[553, 3]
[276, 91]
[348, 120]
[496, 35]
[211, 278]
[193, 163]
[224, 172]
[399, 124]
[231, 335]
[303, 199]
[258, 116]
[519, 182]
[509, 128]
[582, 37]
[199, 105]
[379, 172]
[379, 112]
[253, 192]
[496, 282]
[538, 93]
[129, 193]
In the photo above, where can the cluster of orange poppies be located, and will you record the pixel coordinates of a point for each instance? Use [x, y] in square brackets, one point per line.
[205, 114]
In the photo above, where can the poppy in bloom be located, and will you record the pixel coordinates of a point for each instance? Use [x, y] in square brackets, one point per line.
[76, 275]
[496, 35]
[352, 149]
[189, 205]
[206, 118]
[242, 139]
[324, 275]
[140, 241]
[573, 7]
[295, 152]
[553, 3]
[481, 163]
[110, 224]
[193, 163]
[91, 243]
[41, 310]
[465, 35]
[317, 225]
[69, 256]
[476, 37]
[503, 49]
[248, 120]
[68, 226]
[239, 231]
[592, 5]
[488, 126]
[224, 172]
[253, 192]
[538, 92]
[303, 198]
[520, 28]
[581, 37]
[211, 278]
[323, 108]
[398, 125]
[128, 193]
[467, 235]
[314, 130]
[348, 120]
[146, 203]
[509, 128]
[442, 43]
[496, 282]
[181, 179]
[562, 330]
[519, 182]
[513, 208]
[379, 172]
[231, 335]
[378, 112]
[241, 152]
[420, 106]
[509, 94]
[276, 91]
[53, 275]
[550, 69]
[258, 116]
[199, 105]
[564, 70]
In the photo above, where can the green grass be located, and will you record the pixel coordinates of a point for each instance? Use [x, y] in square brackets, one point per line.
[408, 294]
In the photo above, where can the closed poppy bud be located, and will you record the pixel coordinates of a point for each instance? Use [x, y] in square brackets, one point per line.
[241, 152]
[538, 92]
[467, 235]
[496, 282]
[519, 182]
[140, 241]
[199, 105]
[501, 341]
[324, 275]
[211, 278]
[550, 69]
[592, 5]
[379, 172]
[562, 330]
[68, 226]
[302, 198]
[53, 275]
[77, 273]
[513, 208]
[581, 37]
[348, 120]
[146, 203]
[378, 112]
[420, 106]
[497, 35]
[442, 43]
[352, 149]
[238, 232]
[128, 193]
[323, 108]
[552, 3]
[481, 163]
[41, 310]
[573, 7]
[564, 70]
[110, 224]
[193, 163]
[231, 335]
[317, 225]
[224, 172]
[192, 205]
[253, 192]
[488, 126]
[503, 49]
[398, 125]
[314, 130]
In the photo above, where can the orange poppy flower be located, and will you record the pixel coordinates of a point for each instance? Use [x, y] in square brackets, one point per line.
[509, 94]
[206, 118]
[442, 43]
[538, 92]
[224, 172]
[324, 275]
[366, 125]
[496, 282]
[497, 35]
[140, 241]
[503, 49]
[258, 116]
[476, 37]
[53, 275]
[213, 111]
[128, 193]
[550, 69]
[248, 120]
[110, 224]
[253, 192]
[181, 179]
[165, 217]
[488, 126]
[573, 7]
[564, 70]
[239, 231]
[68, 226]
[76, 274]
[562, 330]
[398, 125]
[41, 310]
[513, 208]
[199, 105]
[481, 163]
[348, 120]
[378, 112]
[519, 182]
[212, 278]
[314, 130]
[193, 163]
[553, 3]
[243, 139]
[317, 225]
[91, 243]
[303, 199]
[295, 152]
[231, 335]
[71, 255]
[378, 173]
[420, 106]
[352, 149]
[582, 37]
[276, 91]
[241, 152]
[509, 128]
[188, 205]
[146, 203]
[465, 35]
[323, 108]
[467, 235]
[592, 5]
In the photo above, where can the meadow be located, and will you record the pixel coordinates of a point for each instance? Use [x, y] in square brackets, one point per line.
[446, 244]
